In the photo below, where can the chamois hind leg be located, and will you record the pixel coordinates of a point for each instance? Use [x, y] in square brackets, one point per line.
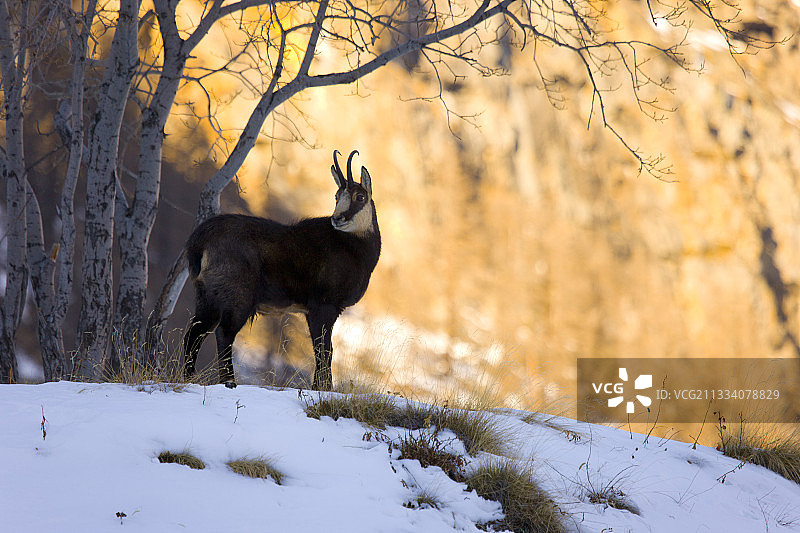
[320, 326]
[229, 326]
[200, 326]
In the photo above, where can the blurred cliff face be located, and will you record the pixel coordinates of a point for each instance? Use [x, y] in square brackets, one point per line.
[516, 225]
[522, 226]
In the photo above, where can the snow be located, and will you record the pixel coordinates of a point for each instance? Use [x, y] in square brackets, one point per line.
[98, 458]
[29, 370]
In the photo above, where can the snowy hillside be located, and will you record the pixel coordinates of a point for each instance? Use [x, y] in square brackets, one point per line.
[84, 458]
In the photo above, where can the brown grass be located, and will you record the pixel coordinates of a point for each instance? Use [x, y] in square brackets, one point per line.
[259, 468]
[479, 430]
[770, 446]
[181, 458]
[427, 448]
[527, 507]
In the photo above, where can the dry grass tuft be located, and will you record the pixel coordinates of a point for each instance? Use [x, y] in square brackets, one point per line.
[371, 409]
[424, 499]
[429, 450]
[606, 491]
[150, 378]
[259, 468]
[527, 507]
[182, 458]
[767, 446]
[479, 430]
[165, 374]
[612, 497]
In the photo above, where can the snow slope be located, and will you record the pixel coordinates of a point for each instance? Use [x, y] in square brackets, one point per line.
[99, 458]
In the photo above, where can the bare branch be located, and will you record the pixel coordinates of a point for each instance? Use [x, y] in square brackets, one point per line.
[312, 41]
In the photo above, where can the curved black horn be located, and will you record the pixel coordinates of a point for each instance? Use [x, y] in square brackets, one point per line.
[336, 164]
[350, 170]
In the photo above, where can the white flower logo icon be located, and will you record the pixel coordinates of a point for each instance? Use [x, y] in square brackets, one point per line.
[644, 381]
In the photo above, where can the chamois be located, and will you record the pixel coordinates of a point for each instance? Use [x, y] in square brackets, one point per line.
[243, 265]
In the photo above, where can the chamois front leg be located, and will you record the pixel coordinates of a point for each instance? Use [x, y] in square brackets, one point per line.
[320, 325]
[230, 324]
[199, 327]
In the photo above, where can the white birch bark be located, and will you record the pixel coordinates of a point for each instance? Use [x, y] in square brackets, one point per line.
[12, 68]
[51, 338]
[135, 226]
[94, 322]
[65, 260]
[51, 273]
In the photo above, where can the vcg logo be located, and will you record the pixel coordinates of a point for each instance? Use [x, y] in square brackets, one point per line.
[644, 381]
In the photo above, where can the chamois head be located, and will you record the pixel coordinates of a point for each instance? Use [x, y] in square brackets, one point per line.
[354, 212]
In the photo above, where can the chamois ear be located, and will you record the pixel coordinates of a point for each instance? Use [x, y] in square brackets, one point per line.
[366, 181]
[337, 178]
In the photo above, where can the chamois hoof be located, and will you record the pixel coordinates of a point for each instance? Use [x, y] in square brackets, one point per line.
[230, 384]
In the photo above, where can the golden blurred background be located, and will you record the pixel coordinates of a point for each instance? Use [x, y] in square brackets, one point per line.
[517, 235]
[533, 240]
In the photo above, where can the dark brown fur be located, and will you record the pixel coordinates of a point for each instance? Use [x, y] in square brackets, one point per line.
[240, 264]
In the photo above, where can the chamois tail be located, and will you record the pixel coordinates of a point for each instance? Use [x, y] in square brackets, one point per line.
[194, 255]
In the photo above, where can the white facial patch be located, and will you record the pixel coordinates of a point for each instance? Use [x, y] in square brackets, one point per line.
[342, 205]
[360, 223]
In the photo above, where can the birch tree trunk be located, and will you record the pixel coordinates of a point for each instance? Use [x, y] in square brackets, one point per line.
[51, 273]
[94, 322]
[51, 337]
[133, 229]
[12, 70]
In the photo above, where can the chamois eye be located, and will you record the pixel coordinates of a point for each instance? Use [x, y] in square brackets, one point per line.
[359, 196]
